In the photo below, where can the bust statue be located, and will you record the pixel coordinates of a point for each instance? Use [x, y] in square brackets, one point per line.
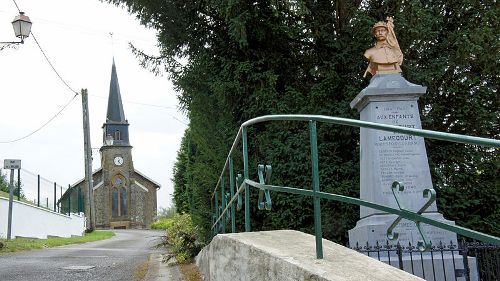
[385, 56]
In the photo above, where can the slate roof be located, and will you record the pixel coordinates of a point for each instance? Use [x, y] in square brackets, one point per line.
[115, 107]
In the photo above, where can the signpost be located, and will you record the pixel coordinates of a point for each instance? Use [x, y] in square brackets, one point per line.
[11, 164]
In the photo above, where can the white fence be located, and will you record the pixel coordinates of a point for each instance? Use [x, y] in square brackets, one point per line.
[35, 222]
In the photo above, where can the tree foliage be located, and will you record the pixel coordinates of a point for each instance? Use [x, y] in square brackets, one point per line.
[232, 60]
[4, 186]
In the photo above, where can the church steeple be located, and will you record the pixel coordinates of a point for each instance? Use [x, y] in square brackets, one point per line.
[115, 107]
[115, 128]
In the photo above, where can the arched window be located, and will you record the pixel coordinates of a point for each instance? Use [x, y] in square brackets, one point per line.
[119, 202]
[119, 196]
[118, 135]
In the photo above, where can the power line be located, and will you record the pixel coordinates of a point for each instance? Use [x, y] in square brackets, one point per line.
[45, 124]
[46, 58]
[16, 6]
[139, 103]
[58, 75]
[52, 66]
[148, 104]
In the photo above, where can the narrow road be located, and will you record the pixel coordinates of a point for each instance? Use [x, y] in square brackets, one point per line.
[123, 257]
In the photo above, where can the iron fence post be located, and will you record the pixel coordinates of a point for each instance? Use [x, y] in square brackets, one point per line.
[38, 196]
[231, 187]
[399, 251]
[213, 216]
[223, 205]
[246, 176]
[69, 203]
[315, 186]
[79, 196]
[55, 189]
[465, 260]
[216, 213]
[18, 184]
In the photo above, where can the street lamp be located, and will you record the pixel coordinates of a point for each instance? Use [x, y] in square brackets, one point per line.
[22, 28]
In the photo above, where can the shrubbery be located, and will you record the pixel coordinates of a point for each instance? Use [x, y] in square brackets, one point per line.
[162, 223]
[181, 237]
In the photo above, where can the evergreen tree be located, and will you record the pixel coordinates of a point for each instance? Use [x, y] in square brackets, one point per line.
[245, 59]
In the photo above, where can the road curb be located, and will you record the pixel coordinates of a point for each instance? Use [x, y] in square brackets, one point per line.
[160, 271]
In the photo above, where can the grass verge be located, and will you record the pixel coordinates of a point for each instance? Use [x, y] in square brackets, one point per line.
[6, 195]
[142, 271]
[22, 244]
[190, 272]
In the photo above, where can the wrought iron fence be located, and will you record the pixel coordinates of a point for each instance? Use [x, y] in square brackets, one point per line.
[225, 202]
[469, 260]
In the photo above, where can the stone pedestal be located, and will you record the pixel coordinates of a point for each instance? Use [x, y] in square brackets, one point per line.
[386, 157]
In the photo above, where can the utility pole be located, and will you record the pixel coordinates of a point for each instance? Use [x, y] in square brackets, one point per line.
[89, 203]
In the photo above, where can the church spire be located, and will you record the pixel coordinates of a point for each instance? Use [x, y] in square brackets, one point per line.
[115, 128]
[115, 107]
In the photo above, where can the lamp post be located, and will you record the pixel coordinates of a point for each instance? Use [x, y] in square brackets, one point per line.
[22, 29]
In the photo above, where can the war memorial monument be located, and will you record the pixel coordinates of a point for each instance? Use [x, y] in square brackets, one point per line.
[395, 165]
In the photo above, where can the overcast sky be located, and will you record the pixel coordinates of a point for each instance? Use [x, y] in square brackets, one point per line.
[75, 37]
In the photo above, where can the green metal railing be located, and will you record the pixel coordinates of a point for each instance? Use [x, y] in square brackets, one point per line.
[242, 183]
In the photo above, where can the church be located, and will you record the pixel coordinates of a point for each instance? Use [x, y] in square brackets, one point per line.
[123, 196]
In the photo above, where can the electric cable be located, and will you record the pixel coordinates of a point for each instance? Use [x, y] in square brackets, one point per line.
[45, 124]
[16, 6]
[52, 66]
[62, 80]
[139, 103]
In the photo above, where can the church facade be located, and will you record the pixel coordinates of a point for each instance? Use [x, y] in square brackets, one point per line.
[123, 196]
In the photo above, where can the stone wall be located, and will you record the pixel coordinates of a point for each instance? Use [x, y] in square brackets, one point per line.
[288, 255]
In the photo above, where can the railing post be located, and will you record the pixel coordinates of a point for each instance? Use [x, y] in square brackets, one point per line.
[55, 189]
[465, 260]
[18, 184]
[212, 216]
[231, 187]
[399, 251]
[246, 176]
[223, 205]
[79, 196]
[38, 194]
[315, 185]
[216, 213]
[69, 204]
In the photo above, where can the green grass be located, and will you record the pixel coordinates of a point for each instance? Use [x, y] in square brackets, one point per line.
[6, 195]
[22, 244]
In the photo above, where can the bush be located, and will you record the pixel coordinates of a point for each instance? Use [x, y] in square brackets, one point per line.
[182, 238]
[162, 223]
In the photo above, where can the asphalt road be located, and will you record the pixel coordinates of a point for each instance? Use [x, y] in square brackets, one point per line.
[118, 258]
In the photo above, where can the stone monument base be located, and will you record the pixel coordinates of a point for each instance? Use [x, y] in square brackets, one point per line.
[373, 229]
[430, 266]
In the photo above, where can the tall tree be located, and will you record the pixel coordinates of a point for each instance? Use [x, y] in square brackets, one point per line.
[232, 60]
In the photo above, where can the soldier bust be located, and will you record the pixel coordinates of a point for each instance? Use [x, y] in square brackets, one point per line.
[385, 56]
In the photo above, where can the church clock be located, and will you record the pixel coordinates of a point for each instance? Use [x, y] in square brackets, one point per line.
[118, 160]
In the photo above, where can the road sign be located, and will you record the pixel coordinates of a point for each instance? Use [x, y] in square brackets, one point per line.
[9, 164]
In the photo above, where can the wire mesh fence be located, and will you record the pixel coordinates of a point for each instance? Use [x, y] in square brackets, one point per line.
[34, 189]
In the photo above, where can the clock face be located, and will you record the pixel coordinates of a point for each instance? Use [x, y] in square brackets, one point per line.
[118, 160]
